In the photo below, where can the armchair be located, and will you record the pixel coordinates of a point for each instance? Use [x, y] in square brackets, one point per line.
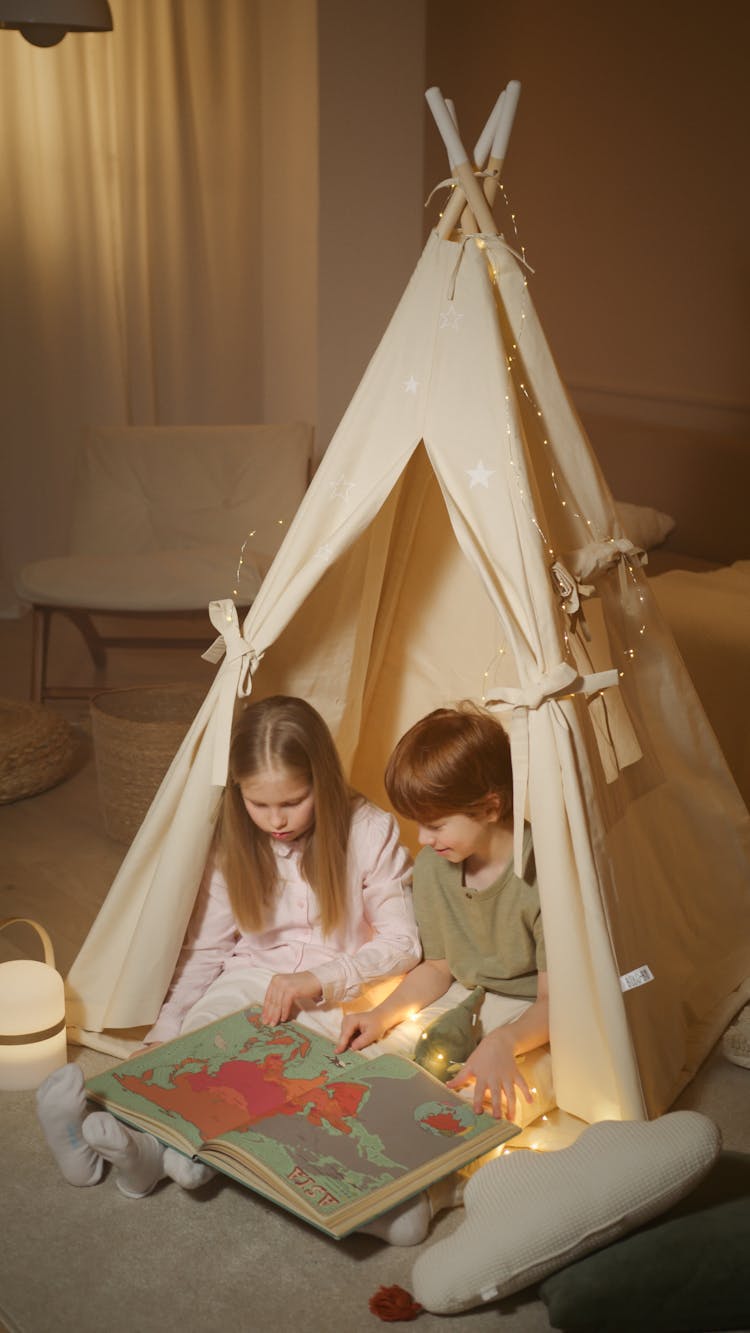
[160, 518]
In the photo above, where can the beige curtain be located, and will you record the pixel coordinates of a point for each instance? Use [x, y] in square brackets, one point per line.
[130, 167]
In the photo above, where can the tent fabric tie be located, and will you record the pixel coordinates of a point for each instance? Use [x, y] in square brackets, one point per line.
[490, 243]
[562, 681]
[235, 677]
[588, 561]
[596, 558]
[572, 593]
[451, 183]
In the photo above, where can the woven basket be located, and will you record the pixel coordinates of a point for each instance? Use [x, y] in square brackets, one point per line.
[37, 749]
[137, 733]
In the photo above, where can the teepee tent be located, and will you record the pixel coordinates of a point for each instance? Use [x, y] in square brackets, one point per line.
[458, 540]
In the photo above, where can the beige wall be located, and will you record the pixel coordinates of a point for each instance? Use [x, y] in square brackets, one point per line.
[371, 85]
[342, 145]
[627, 171]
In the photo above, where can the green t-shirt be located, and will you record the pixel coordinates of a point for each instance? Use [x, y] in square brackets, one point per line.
[492, 937]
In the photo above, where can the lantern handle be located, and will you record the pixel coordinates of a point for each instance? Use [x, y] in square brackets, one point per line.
[49, 953]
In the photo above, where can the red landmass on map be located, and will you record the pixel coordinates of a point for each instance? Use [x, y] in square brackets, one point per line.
[242, 1093]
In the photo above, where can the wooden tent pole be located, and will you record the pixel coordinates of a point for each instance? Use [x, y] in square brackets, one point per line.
[500, 140]
[460, 165]
[497, 132]
[457, 201]
[467, 213]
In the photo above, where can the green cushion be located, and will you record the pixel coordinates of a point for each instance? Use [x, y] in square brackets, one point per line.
[684, 1273]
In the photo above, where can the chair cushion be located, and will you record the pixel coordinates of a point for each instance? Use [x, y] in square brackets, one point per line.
[530, 1213]
[185, 580]
[144, 488]
[686, 1272]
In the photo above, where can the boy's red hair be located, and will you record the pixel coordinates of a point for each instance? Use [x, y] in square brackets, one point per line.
[450, 762]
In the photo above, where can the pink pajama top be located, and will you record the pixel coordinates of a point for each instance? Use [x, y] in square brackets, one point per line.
[377, 939]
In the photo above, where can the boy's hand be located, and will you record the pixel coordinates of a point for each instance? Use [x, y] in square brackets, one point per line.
[360, 1030]
[284, 990]
[496, 1074]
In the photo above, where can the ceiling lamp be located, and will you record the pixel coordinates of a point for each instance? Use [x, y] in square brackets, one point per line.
[45, 22]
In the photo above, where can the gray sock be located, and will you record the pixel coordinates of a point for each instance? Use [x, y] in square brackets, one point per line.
[137, 1157]
[61, 1108]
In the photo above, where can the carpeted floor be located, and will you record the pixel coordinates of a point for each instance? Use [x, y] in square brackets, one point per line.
[82, 1260]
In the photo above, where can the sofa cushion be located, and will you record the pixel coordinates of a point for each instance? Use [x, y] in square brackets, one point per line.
[645, 526]
[684, 1273]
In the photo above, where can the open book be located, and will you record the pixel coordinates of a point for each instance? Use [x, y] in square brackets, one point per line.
[336, 1139]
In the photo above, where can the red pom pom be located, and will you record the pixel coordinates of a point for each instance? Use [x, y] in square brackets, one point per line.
[393, 1304]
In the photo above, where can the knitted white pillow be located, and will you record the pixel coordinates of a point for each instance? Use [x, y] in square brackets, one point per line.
[530, 1213]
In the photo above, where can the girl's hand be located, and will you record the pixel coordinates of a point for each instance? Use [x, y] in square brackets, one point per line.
[360, 1030]
[496, 1074]
[285, 989]
[149, 1046]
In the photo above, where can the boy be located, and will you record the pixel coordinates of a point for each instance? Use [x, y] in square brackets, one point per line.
[480, 924]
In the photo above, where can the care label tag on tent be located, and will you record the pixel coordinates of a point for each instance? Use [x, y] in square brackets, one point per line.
[638, 977]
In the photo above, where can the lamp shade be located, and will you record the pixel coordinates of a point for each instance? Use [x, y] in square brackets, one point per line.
[45, 22]
[32, 1017]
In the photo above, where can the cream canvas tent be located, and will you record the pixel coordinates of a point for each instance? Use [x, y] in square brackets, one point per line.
[458, 540]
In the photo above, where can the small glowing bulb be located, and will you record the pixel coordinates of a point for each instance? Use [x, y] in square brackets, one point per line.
[440, 1055]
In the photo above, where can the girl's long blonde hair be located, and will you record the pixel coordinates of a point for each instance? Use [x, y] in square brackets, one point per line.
[287, 733]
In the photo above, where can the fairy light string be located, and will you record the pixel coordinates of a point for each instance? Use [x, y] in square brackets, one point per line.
[253, 532]
[521, 388]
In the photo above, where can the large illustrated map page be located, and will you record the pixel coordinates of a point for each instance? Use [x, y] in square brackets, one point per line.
[333, 1127]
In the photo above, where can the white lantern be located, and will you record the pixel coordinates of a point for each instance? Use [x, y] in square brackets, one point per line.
[32, 1017]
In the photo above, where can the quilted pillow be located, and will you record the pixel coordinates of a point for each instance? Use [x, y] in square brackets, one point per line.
[528, 1213]
[685, 1271]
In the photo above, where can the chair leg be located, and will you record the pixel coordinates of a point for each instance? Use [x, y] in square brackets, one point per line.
[39, 644]
[86, 627]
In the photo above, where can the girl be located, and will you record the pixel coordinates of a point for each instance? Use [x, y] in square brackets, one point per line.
[479, 923]
[305, 903]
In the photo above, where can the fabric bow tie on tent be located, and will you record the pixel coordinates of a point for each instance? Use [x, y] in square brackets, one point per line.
[492, 244]
[588, 562]
[235, 677]
[561, 682]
